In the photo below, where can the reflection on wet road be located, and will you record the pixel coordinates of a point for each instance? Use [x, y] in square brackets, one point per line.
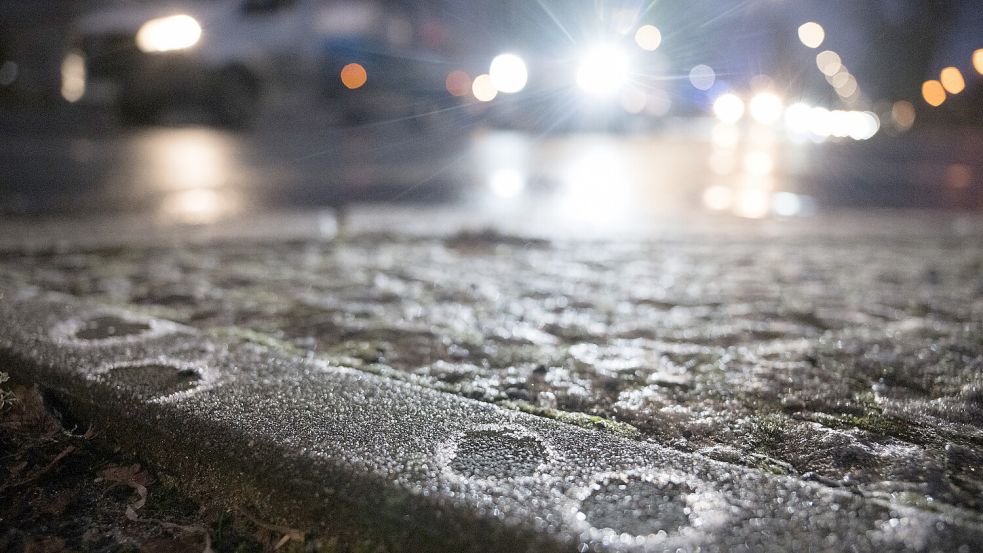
[199, 174]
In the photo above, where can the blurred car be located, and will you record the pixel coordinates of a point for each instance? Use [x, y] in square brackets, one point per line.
[544, 88]
[221, 55]
[534, 74]
[375, 64]
[570, 65]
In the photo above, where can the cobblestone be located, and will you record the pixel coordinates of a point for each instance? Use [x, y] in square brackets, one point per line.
[851, 362]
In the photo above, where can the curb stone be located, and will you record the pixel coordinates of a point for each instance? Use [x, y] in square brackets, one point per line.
[340, 450]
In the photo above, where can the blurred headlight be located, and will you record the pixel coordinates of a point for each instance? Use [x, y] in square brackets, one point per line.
[509, 73]
[728, 108]
[73, 75]
[766, 108]
[603, 71]
[176, 32]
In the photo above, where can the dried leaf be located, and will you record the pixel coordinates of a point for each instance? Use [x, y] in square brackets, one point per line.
[131, 476]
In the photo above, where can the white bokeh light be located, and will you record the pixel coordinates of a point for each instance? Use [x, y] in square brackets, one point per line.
[507, 182]
[812, 34]
[648, 37]
[729, 108]
[176, 32]
[603, 71]
[509, 73]
[702, 77]
[718, 198]
[73, 77]
[786, 204]
[483, 89]
[766, 108]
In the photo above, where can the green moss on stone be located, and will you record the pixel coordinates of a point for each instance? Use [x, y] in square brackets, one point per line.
[582, 420]
[258, 338]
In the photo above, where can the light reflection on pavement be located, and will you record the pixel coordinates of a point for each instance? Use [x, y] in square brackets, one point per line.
[195, 174]
[593, 179]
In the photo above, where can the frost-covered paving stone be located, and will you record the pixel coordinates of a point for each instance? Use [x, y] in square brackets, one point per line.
[848, 366]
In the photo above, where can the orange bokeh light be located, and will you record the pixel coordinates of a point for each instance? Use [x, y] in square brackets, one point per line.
[458, 83]
[354, 76]
[978, 61]
[952, 80]
[933, 92]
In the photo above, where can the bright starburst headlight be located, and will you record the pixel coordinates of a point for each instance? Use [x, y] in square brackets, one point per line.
[603, 71]
[166, 34]
[508, 73]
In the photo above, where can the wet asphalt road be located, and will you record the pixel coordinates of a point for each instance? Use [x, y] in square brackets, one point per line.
[81, 162]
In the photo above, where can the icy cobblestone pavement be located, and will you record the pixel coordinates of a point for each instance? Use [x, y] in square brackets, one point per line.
[853, 362]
